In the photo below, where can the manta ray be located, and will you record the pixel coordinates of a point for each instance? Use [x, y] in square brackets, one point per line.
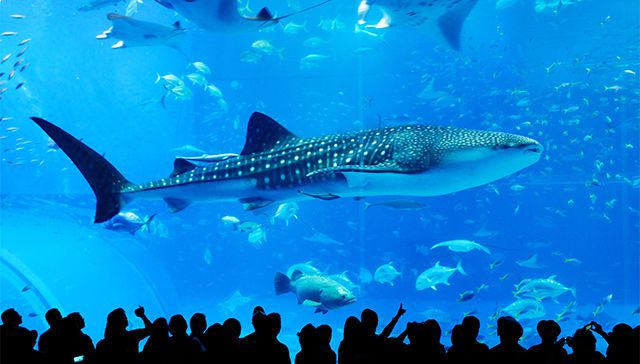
[446, 16]
[217, 15]
[132, 32]
[223, 15]
[276, 165]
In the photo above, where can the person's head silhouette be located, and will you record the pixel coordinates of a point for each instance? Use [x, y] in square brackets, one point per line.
[178, 325]
[11, 318]
[509, 330]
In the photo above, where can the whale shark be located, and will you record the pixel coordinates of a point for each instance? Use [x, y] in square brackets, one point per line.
[447, 16]
[276, 165]
[135, 33]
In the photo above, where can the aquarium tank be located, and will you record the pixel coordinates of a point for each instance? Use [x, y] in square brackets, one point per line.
[461, 158]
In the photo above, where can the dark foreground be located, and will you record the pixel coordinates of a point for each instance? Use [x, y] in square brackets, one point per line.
[168, 342]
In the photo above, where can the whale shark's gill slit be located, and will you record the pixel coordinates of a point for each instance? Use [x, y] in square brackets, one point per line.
[105, 180]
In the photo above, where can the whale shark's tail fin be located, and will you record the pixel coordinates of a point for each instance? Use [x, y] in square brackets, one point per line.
[104, 179]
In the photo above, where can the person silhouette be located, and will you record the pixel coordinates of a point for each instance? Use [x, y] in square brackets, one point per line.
[378, 349]
[550, 350]
[622, 345]
[274, 350]
[16, 342]
[351, 350]
[156, 349]
[120, 345]
[583, 344]
[424, 343]
[50, 343]
[78, 346]
[324, 343]
[508, 351]
[230, 351]
[309, 346]
[214, 342]
[198, 324]
[182, 348]
[465, 347]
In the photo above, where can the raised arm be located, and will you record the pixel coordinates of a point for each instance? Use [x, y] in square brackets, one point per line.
[389, 328]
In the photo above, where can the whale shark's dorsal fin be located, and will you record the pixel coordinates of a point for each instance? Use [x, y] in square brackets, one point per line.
[264, 133]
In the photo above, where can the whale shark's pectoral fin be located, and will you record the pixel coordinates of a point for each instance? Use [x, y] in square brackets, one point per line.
[450, 23]
[254, 203]
[176, 204]
[323, 196]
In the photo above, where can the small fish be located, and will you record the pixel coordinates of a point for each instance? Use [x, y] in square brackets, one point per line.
[629, 72]
[5, 58]
[212, 90]
[614, 88]
[19, 85]
[265, 46]
[32, 314]
[494, 264]
[251, 56]
[314, 42]
[24, 67]
[21, 52]
[504, 277]
[180, 92]
[517, 188]
[571, 109]
[572, 260]
[170, 79]
[11, 74]
[18, 63]
[5, 118]
[312, 60]
[197, 79]
[8, 34]
[466, 296]
[293, 28]
[27, 288]
[24, 41]
[17, 16]
[201, 67]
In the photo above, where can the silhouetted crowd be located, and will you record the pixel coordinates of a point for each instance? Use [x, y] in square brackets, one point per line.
[169, 342]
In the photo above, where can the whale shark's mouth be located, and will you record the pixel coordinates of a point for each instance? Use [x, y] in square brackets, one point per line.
[536, 148]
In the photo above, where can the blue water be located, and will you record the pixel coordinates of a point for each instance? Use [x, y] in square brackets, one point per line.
[566, 78]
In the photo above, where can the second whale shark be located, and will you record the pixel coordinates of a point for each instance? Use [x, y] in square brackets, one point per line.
[276, 165]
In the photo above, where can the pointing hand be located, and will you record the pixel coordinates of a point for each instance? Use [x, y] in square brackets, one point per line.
[401, 311]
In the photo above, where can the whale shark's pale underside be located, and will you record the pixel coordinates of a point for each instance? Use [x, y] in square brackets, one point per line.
[276, 165]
